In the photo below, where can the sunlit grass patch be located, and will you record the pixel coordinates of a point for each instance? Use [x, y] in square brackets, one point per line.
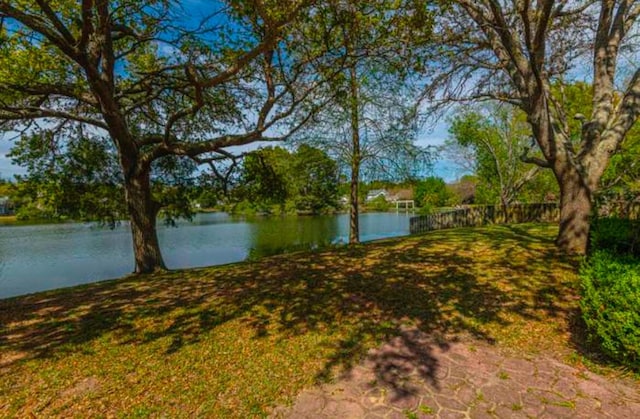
[233, 341]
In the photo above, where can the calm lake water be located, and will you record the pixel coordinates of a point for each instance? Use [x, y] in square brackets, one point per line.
[42, 257]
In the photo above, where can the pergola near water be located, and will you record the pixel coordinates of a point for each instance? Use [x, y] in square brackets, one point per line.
[405, 205]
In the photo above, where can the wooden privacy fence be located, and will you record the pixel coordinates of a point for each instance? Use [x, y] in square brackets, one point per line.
[482, 215]
[630, 210]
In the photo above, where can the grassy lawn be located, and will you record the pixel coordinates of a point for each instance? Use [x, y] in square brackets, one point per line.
[235, 340]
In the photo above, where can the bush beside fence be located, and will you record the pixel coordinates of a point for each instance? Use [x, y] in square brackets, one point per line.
[489, 214]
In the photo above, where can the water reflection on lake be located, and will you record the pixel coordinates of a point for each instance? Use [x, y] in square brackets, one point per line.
[41, 257]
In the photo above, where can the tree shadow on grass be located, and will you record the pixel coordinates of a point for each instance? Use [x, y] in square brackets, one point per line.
[473, 281]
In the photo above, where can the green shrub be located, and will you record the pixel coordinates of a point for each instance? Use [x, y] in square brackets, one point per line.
[610, 304]
[32, 212]
[243, 208]
[379, 204]
[426, 209]
[617, 235]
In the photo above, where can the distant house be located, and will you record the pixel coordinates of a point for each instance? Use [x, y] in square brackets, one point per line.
[375, 193]
[6, 208]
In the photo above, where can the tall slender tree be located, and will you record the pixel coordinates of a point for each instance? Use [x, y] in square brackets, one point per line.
[372, 117]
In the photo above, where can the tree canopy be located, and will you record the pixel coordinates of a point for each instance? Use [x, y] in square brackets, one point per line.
[371, 123]
[304, 181]
[522, 53]
[136, 76]
[491, 140]
[431, 192]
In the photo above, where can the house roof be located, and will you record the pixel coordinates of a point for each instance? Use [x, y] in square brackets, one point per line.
[374, 192]
[402, 194]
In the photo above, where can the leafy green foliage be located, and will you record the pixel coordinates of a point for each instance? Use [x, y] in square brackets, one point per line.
[379, 204]
[610, 281]
[206, 198]
[432, 192]
[315, 178]
[82, 180]
[264, 177]
[305, 180]
[7, 189]
[79, 181]
[490, 141]
[154, 86]
[621, 180]
[610, 302]
[172, 186]
[577, 100]
[543, 187]
[617, 235]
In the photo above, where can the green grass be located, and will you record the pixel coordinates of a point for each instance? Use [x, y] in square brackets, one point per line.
[427, 410]
[236, 340]
[410, 415]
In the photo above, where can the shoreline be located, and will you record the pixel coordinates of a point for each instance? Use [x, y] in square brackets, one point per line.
[13, 221]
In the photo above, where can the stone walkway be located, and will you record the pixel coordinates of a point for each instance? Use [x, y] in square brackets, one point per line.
[413, 377]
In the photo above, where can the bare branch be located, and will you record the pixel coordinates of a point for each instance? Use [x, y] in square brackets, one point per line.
[535, 160]
[8, 113]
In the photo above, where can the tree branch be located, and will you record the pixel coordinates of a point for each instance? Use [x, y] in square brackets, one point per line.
[8, 113]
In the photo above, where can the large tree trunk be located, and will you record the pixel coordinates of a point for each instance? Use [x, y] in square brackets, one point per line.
[504, 201]
[575, 210]
[576, 184]
[143, 212]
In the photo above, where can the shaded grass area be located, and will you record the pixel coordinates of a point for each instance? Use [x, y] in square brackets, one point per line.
[234, 341]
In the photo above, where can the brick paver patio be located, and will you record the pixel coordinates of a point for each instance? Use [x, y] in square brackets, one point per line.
[412, 376]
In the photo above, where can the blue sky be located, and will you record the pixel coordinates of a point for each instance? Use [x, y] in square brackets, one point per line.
[435, 136]
[7, 170]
